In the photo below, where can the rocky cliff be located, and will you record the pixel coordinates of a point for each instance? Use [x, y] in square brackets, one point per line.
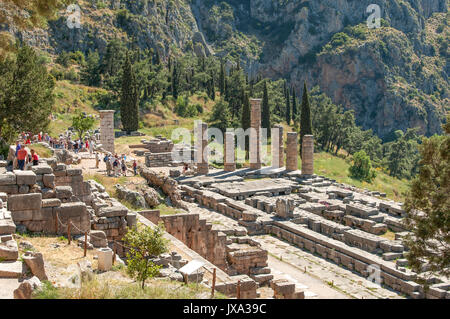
[394, 77]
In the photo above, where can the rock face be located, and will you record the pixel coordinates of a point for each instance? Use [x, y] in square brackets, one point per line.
[151, 197]
[168, 185]
[395, 79]
[132, 197]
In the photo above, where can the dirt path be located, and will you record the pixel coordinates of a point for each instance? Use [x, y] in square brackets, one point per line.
[321, 272]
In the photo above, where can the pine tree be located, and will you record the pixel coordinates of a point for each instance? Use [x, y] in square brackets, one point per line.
[265, 111]
[427, 208]
[129, 107]
[220, 116]
[90, 73]
[288, 107]
[26, 94]
[305, 117]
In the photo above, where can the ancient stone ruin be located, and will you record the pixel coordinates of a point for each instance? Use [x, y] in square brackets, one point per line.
[107, 130]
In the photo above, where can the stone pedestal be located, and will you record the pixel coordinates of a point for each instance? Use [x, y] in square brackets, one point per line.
[105, 256]
[292, 151]
[202, 144]
[255, 134]
[277, 146]
[229, 163]
[308, 155]
[107, 130]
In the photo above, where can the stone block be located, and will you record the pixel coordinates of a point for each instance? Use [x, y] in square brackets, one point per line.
[51, 202]
[41, 169]
[282, 286]
[20, 216]
[74, 171]
[63, 192]
[34, 226]
[9, 189]
[98, 238]
[7, 226]
[72, 210]
[113, 211]
[7, 179]
[49, 180]
[25, 177]
[45, 213]
[24, 189]
[9, 250]
[25, 202]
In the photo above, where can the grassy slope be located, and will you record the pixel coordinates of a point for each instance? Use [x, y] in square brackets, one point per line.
[333, 167]
[65, 95]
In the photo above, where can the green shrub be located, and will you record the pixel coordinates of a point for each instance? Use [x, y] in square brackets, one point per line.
[362, 167]
[339, 39]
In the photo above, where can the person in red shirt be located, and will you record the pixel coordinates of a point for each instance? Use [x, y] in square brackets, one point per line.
[22, 158]
[28, 141]
[135, 167]
[34, 158]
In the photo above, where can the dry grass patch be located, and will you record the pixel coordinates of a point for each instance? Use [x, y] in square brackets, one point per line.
[62, 256]
[115, 289]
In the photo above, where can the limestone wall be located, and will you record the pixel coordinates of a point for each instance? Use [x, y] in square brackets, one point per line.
[198, 235]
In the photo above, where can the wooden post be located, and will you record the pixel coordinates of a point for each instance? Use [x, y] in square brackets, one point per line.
[238, 293]
[56, 223]
[213, 283]
[114, 252]
[68, 230]
[85, 243]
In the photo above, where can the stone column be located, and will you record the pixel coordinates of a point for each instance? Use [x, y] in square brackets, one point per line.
[292, 151]
[277, 146]
[308, 155]
[202, 144]
[107, 130]
[229, 163]
[255, 138]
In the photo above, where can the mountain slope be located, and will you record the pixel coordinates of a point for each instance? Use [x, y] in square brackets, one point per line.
[394, 77]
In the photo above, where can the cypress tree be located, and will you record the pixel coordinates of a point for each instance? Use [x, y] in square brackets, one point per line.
[288, 107]
[245, 119]
[222, 79]
[305, 117]
[294, 106]
[175, 80]
[129, 107]
[265, 111]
